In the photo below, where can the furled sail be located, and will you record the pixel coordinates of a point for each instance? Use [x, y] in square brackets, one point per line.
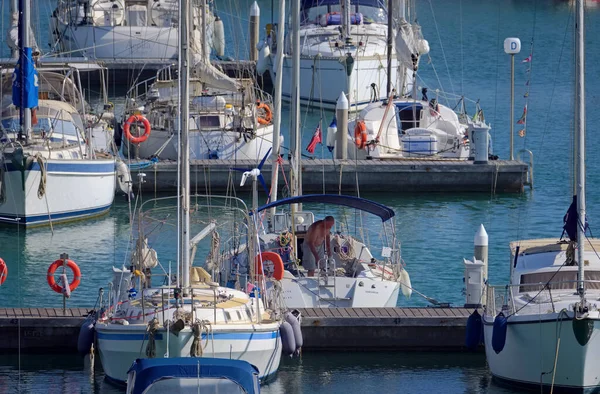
[12, 37]
[410, 44]
[211, 76]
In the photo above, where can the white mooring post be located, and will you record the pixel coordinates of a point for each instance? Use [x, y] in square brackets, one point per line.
[254, 30]
[341, 114]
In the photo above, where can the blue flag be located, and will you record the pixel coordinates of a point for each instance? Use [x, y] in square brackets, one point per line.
[25, 94]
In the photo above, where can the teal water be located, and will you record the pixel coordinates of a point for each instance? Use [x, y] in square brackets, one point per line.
[436, 230]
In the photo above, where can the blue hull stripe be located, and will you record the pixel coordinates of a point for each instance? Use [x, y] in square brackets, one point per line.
[221, 336]
[42, 219]
[84, 166]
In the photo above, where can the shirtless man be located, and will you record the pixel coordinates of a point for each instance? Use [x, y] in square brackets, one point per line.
[312, 248]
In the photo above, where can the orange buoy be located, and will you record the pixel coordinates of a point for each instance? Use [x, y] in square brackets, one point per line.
[268, 114]
[360, 134]
[76, 275]
[3, 271]
[133, 119]
[276, 263]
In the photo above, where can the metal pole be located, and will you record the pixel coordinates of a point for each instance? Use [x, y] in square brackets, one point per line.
[390, 34]
[512, 104]
[24, 42]
[277, 102]
[184, 77]
[295, 110]
[580, 131]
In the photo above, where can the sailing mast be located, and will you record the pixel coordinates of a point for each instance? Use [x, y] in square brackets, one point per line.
[277, 102]
[184, 76]
[26, 64]
[295, 105]
[580, 144]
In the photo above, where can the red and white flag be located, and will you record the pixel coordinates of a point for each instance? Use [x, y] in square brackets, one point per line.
[523, 117]
[527, 59]
[316, 139]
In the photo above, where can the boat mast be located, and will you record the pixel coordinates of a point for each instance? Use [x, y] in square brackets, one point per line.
[24, 42]
[277, 102]
[390, 35]
[295, 112]
[184, 76]
[580, 139]
[346, 22]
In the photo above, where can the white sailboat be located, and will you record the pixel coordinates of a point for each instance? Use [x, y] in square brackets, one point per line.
[194, 316]
[53, 166]
[542, 329]
[122, 31]
[351, 276]
[229, 119]
[344, 46]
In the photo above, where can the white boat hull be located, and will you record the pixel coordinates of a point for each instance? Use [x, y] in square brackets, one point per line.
[224, 145]
[74, 189]
[529, 354]
[120, 345]
[323, 79]
[151, 43]
[310, 292]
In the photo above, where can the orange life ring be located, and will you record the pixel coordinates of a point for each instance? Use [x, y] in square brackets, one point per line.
[268, 114]
[76, 275]
[133, 119]
[272, 257]
[3, 271]
[360, 134]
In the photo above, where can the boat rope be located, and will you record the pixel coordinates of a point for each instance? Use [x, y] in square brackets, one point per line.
[43, 175]
[442, 47]
[152, 328]
[200, 326]
[2, 187]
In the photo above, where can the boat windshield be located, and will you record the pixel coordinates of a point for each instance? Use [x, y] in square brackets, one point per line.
[43, 126]
[324, 12]
[561, 280]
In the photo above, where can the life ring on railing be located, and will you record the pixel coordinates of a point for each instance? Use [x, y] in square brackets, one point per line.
[268, 114]
[3, 271]
[137, 118]
[360, 134]
[76, 275]
[275, 259]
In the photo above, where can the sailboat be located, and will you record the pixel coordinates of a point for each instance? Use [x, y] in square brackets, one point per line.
[52, 165]
[190, 315]
[542, 329]
[344, 47]
[119, 32]
[350, 276]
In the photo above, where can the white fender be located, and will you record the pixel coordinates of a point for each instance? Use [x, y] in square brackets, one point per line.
[219, 37]
[264, 60]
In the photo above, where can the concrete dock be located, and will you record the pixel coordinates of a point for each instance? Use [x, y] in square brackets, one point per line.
[334, 176]
[39, 330]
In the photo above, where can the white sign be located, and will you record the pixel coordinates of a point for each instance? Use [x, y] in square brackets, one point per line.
[512, 45]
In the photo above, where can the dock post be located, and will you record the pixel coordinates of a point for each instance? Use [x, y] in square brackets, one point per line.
[481, 254]
[341, 114]
[254, 29]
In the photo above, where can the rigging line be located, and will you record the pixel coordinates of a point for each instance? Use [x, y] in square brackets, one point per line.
[441, 46]
[556, 74]
[462, 56]
[530, 70]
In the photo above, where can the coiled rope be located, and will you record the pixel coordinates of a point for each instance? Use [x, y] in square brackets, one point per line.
[197, 350]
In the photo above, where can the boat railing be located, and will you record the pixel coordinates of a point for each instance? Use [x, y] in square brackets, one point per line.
[501, 298]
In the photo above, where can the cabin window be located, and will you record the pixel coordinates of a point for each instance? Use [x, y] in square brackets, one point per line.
[227, 316]
[558, 281]
[207, 122]
[408, 116]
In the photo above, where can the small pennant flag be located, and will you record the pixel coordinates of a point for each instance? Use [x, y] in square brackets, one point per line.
[527, 83]
[316, 139]
[527, 59]
[522, 133]
[523, 117]
[526, 94]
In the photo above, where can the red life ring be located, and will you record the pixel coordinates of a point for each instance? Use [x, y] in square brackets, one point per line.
[273, 258]
[268, 114]
[133, 119]
[76, 275]
[3, 271]
[360, 134]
